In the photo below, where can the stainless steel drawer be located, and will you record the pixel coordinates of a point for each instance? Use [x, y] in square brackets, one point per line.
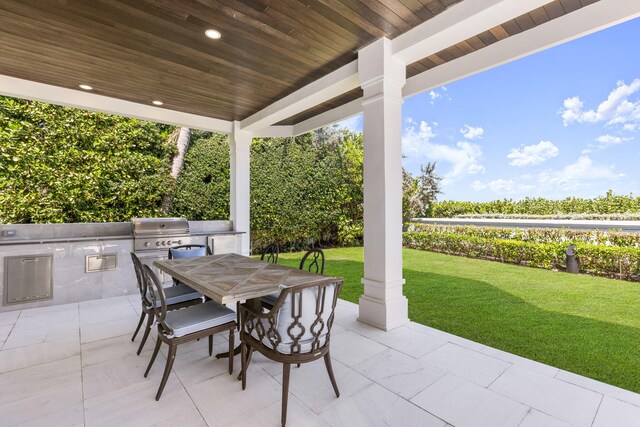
[28, 278]
[103, 262]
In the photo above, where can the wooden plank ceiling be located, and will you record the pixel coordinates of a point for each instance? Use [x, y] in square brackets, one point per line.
[144, 50]
[525, 22]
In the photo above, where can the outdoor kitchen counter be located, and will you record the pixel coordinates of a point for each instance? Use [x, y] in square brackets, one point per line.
[19, 241]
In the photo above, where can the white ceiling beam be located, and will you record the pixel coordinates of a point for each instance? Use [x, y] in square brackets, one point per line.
[460, 22]
[274, 132]
[19, 88]
[579, 23]
[325, 88]
[340, 113]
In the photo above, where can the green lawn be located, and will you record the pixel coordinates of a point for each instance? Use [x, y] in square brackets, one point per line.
[587, 325]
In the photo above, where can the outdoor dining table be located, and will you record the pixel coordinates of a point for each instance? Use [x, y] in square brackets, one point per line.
[231, 278]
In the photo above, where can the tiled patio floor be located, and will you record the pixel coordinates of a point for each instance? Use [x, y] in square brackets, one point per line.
[75, 364]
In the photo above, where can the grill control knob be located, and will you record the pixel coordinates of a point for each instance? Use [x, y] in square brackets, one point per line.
[157, 243]
[163, 243]
[146, 244]
[179, 242]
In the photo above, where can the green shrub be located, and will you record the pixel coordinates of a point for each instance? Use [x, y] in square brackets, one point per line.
[538, 235]
[608, 204]
[202, 190]
[60, 164]
[608, 261]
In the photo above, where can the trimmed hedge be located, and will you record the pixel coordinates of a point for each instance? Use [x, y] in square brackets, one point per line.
[609, 203]
[539, 235]
[607, 261]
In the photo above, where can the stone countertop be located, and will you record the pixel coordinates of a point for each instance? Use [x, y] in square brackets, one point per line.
[43, 240]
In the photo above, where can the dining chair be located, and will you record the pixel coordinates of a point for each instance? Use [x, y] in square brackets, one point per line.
[315, 257]
[188, 251]
[181, 326]
[177, 297]
[296, 330]
[270, 253]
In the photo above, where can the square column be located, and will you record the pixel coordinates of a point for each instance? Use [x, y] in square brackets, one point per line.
[240, 202]
[382, 77]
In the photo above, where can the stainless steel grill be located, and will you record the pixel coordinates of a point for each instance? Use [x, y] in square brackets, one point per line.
[159, 233]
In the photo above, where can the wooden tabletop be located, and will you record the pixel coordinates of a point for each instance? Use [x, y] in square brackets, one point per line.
[228, 278]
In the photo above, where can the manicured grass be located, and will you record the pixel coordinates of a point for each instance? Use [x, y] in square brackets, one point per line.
[583, 324]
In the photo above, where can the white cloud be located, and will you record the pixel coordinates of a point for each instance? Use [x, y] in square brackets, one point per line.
[583, 174]
[579, 175]
[616, 109]
[435, 94]
[630, 127]
[606, 141]
[502, 186]
[464, 157]
[532, 154]
[471, 132]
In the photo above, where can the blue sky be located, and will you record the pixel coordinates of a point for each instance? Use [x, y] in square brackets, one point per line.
[563, 122]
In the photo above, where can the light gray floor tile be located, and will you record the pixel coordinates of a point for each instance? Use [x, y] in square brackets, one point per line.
[377, 406]
[615, 413]
[352, 323]
[196, 365]
[310, 383]
[53, 332]
[564, 401]
[4, 333]
[399, 373]
[462, 342]
[297, 415]
[108, 329]
[110, 348]
[599, 387]
[47, 394]
[410, 341]
[37, 354]
[135, 405]
[222, 401]
[9, 318]
[116, 374]
[68, 317]
[465, 404]
[468, 364]
[536, 418]
[351, 348]
[521, 361]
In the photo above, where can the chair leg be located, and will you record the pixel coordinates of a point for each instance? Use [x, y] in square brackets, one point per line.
[327, 362]
[231, 348]
[146, 333]
[238, 314]
[139, 325]
[286, 369]
[167, 369]
[243, 362]
[210, 345]
[153, 357]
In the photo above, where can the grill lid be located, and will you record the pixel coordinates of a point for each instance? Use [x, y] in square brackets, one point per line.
[159, 226]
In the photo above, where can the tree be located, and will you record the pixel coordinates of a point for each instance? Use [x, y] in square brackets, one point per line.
[428, 188]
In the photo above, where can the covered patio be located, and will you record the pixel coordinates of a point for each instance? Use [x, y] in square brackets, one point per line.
[283, 69]
[76, 365]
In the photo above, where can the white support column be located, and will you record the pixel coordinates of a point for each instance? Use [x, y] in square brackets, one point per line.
[240, 148]
[382, 77]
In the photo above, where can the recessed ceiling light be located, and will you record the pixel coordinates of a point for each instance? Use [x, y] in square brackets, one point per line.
[213, 34]
[85, 87]
[157, 102]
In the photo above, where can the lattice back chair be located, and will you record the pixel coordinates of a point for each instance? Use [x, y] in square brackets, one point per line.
[188, 251]
[313, 261]
[270, 253]
[181, 326]
[177, 297]
[296, 330]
